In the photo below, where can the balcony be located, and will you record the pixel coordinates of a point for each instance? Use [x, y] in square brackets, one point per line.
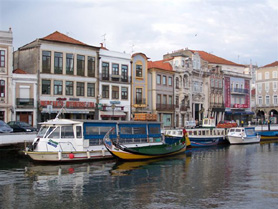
[165, 107]
[138, 102]
[24, 102]
[115, 78]
[239, 91]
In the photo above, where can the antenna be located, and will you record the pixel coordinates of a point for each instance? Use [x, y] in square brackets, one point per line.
[132, 47]
[104, 39]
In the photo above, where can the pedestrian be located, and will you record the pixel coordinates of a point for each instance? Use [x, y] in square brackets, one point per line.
[242, 123]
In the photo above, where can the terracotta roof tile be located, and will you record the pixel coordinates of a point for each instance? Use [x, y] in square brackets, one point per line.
[60, 37]
[162, 64]
[19, 71]
[215, 59]
[274, 64]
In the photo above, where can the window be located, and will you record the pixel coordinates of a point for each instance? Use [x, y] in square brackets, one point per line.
[46, 86]
[266, 75]
[259, 86]
[158, 79]
[177, 101]
[158, 98]
[115, 69]
[177, 83]
[69, 64]
[80, 65]
[139, 98]
[220, 84]
[124, 93]
[275, 100]
[170, 100]
[69, 87]
[58, 63]
[79, 89]
[105, 91]
[91, 90]
[274, 85]
[274, 74]
[212, 82]
[260, 100]
[105, 71]
[259, 76]
[124, 73]
[46, 61]
[170, 81]
[91, 66]
[267, 86]
[2, 88]
[267, 100]
[2, 58]
[164, 99]
[115, 92]
[164, 80]
[139, 71]
[58, 87]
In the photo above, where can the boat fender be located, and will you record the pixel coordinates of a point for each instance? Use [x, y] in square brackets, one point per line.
[88, 154]
[60, 155]
[71, 155]
[103, 152]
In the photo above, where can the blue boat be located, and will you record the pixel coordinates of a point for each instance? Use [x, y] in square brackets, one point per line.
[201, 137]
[268, 135]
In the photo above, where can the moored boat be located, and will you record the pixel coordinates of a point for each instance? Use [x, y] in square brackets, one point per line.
[72, 140]
[143, 152]
[243, 135]
[199, 137]
[268, 135]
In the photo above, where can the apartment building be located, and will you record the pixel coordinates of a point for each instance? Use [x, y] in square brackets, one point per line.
[114, 85]
[6, 68]
[161, 91]
[66, 74]
[267, 92]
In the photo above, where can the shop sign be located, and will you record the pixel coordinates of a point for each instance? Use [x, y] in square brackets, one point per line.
[240, 106]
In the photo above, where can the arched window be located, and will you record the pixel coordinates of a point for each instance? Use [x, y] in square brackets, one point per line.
[177, 83]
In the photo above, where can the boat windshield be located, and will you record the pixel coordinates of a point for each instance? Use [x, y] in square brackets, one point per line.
[42, 131]
[250, 131]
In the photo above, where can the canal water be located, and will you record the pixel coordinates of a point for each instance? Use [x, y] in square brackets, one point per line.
[236, 176]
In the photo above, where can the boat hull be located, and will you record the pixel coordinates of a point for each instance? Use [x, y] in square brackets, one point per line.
[132, 156]
[69, 156]
[243, 140]
[268, 135]
[205, 141]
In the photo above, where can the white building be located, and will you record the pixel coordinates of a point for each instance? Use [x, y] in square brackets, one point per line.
[6, 68]
[114, 97]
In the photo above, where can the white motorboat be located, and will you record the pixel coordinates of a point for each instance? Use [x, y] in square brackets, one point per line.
[73, 140]
[243, 135]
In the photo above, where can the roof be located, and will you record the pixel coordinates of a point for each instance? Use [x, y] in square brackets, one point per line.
[19, 71]
[140, 53]
[161, 64]
[274, 64]
[215, 59]
[60, 37]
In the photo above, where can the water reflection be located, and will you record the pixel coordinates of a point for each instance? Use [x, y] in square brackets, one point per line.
[238, 176]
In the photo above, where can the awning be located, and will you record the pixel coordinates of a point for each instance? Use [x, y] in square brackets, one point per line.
[73, 111]
[228, 112]
[115, 114]
[249, 113]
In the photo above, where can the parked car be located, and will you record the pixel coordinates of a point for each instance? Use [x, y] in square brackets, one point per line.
[5, 128]
[226, 124]
[19, 126]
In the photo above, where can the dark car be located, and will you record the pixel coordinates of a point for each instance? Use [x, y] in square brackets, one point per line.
[19, 126]
[5, 128]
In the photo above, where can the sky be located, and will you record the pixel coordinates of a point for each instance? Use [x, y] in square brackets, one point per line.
[242, 31]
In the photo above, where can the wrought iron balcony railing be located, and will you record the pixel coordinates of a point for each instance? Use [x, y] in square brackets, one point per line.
[24, 102]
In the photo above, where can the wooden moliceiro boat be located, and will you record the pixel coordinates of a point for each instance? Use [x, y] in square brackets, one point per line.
[144, 152]
[75, 140]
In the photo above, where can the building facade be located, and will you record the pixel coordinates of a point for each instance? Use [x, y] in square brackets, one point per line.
[66, 74]
[114, 85]
[267, 93]
[24, 91]
[6, 68]
[139, 84]
[161, 91]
